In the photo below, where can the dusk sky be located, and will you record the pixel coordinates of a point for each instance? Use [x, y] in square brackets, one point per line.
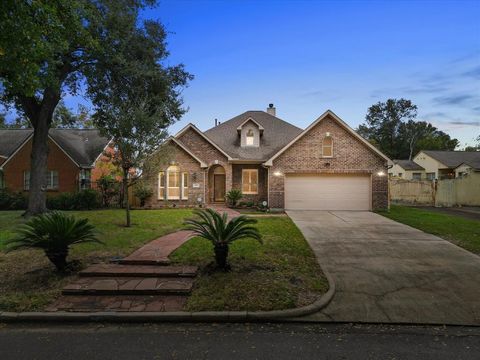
[309, 56]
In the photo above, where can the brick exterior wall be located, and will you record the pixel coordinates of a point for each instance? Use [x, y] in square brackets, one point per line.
[211, 156]
[262, 182]
[350, 156]
[196, 174]
[68, 172]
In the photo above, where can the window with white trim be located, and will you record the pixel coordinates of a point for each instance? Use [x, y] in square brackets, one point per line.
[184, 186]
[327, 146]
[249, 138]
[173, 183]
[250, 181]
[417, 176]
[51, 180]
[430, 176]
[85, 179]
[161, 185]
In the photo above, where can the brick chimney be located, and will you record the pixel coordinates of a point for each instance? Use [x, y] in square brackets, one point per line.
[271, 110]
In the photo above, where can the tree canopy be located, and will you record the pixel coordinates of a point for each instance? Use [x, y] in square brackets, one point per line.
[52, 48]
[392, 127]
[135, 104]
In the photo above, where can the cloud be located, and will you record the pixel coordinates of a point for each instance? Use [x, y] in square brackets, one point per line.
[453, 99]
[465, 123]
[436, 114]
[474, 73]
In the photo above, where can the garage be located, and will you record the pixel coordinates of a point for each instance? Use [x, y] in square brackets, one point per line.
[327, 192]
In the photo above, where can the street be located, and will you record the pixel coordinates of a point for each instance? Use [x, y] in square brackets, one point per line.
[237, 341]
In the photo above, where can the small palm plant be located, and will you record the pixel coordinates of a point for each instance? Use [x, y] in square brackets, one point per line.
[54, 233]
[221, 232]
[234, 196]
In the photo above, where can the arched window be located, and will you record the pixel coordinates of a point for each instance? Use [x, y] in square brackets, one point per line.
[249, 138]
[327, 146]
[174, 182]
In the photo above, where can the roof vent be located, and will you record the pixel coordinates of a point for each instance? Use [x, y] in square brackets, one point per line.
[271, 110]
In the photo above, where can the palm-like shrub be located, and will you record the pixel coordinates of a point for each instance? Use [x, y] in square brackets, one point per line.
[234, 196]
[53, 233]
[221, 233]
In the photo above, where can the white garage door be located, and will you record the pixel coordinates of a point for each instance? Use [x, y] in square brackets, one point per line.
[327, 192]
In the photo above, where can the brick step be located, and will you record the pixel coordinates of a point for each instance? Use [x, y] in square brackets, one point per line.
[129, 286]
[105, 270]
[153, 262]
[123, 303]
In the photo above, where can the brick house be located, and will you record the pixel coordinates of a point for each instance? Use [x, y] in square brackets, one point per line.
[327, 166]
[73, 163]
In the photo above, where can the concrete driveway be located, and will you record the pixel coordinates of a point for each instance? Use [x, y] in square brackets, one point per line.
[389, 272]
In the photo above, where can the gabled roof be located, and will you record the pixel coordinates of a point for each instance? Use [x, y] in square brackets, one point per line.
[82, 146]
[202, 134]
[11, 139]
[327, 113]
[277, 133]
[474, 164]
[408, 165]
[260, 127]
[182, 146]
[452, 159]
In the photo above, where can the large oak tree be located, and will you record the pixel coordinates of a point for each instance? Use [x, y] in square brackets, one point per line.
[56, 47]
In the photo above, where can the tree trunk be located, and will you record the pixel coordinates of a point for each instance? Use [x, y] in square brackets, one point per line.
[36, 194]
[58, 258]
[40, 115]
[125, 196]
[221, 257]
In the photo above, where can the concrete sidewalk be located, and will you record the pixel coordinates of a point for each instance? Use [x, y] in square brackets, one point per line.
[389, 272]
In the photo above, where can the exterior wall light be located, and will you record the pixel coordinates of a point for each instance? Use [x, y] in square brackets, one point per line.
[381, 173]
[277, 173]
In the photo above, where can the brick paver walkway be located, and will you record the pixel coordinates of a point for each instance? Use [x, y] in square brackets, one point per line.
[139, 282]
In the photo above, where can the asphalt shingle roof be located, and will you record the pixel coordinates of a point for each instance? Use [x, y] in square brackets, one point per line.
[277, 133]
[11, 139]
[408, 164]
[83, 145]
[454, 158]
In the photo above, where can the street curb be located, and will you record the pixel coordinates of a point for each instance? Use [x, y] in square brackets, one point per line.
[181, 316]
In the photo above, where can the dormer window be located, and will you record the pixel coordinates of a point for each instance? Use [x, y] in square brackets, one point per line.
[250, 133]
[250, 138]
[327, 146]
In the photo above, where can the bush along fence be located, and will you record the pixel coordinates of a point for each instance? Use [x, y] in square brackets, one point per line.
[464, 191]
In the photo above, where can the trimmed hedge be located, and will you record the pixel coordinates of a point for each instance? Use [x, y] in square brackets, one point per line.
[83, 200]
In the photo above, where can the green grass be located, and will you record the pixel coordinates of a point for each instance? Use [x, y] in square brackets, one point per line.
[462, 232]
[27, 279]
[282, 273]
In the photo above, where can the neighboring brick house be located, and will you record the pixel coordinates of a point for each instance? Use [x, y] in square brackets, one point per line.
[74, 155]
[327, 166]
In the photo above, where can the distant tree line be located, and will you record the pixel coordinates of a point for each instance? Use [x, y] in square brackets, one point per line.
[392, 127]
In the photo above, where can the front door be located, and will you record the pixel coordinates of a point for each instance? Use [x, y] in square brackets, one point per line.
[219, 187]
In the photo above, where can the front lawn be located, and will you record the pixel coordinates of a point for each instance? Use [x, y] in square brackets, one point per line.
[27, 279]
[462, 232]
[282, 273]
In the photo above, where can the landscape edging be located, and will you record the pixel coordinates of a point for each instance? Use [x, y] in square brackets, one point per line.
[181, 316]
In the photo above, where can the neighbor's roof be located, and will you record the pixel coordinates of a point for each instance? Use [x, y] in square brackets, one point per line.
[82, 145]
[11, 139]
[452, 159]
[408, 165]
[474, 164]
[277, 133]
